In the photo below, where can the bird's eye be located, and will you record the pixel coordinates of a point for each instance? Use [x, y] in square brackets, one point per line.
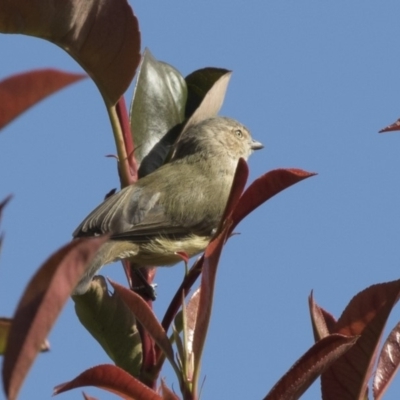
[239, 133]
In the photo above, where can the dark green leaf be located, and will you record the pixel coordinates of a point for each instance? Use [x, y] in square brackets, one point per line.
[158, 106]
[112, 324]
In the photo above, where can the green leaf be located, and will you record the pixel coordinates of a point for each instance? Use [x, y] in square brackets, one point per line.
[101, 35]
[157, 107]
[112, 324]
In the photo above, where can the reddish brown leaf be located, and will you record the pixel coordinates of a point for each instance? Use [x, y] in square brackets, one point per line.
[388, 363]
[210, 264]
[102, 35]
[113, 379]
[39, 307]
[130, 163]
[176, 302]
[146, 317]
[238, 185]
[304, 372]
[191, 311]
[22, 91]
[393, 127]
[264, 188]
[323, 323]
[167, 393]
[365, 315]
[4, 203]
[87, 397]
[183, 255]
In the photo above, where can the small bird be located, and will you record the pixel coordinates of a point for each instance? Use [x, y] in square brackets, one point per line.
[176, 208]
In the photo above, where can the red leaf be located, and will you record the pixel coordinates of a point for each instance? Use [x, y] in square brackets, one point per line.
[176, 302]
[388, 363]
[87, 397]
[146, 317]
[101, 35]
[22, 91]
[130, 163]
[113, 379]
[39, 307]
[393, 127]
[304, 372]
[183, 255]
[365, 315]
[323, 323]
[4, 203]
[167, 393]
[265, 187]
[210, 264]
[238, 185]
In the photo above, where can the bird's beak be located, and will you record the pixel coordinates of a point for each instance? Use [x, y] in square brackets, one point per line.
[256, 145]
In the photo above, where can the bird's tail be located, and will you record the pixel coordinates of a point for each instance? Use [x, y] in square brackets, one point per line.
[102, 257]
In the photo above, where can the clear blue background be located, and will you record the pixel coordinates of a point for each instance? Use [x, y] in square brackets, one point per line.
[314, 81]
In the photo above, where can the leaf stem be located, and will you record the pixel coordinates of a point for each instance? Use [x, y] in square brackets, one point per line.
[123, 165]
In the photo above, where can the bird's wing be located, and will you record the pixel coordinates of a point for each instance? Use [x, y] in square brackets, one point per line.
[137, 215]
[103, 218]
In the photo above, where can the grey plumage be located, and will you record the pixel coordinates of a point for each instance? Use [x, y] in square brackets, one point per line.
[175, 208]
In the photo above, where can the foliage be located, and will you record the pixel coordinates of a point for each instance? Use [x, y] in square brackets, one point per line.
[163, 106]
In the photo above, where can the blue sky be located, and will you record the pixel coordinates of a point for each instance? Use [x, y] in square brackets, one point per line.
[314, 81]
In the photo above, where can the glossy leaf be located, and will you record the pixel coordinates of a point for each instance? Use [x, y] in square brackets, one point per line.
[323, 323]
[158, 106]
[146, 317]
[365, 315]
[190, 278]
[192, 309]
[238, 185]
[199, 83]
[20, 92]
[265, 187]
[112, 379]
[39, 307]
[211, 103]
[167, 393]
[388, 363]
[3, 204]
[87, 397]
[393, 127]
[307, 369]
[207, 286]
[130, 163]
[112, 324]
[102, 35]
